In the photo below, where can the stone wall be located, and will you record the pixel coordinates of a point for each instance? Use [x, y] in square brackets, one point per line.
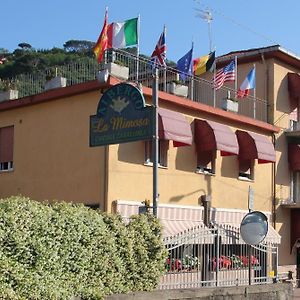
[278, 291]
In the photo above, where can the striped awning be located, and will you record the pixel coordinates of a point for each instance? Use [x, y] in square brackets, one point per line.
[178, 219]
[210, 135]
[173, 126]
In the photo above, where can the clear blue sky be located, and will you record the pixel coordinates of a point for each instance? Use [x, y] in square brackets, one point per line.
[237, 24]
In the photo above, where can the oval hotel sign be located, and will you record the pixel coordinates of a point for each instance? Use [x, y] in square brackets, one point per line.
[121, 117]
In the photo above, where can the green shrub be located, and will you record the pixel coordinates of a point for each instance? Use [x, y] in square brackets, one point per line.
[60, 250]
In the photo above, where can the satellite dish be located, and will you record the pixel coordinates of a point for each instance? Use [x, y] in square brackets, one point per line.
[254, 227]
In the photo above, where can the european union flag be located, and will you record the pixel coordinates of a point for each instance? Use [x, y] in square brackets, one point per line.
[184, 65]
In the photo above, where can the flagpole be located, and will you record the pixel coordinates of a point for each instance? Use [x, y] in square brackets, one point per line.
[138, 49]
[214, 86]
[165, 69]
[192, 76]
[105, 53]
[254, 94]
[236, 74]
[155, 140]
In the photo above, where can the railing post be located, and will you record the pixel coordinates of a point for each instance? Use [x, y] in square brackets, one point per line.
[217, 257]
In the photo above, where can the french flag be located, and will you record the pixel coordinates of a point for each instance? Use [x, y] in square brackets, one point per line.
[247, 85]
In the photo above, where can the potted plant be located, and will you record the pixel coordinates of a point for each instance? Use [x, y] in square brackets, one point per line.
[178, 88]
[230, 103]
[8, 90]
[117, 69]
[53, 80]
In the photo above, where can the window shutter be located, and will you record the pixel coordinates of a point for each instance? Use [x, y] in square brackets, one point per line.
[6, 144]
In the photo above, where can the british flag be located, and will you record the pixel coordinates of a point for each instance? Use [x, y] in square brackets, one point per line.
[158, 57]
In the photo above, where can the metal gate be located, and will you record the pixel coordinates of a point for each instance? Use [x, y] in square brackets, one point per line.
[216, 256]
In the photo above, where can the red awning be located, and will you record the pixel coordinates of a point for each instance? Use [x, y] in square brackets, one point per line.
[173, 126]
[294, 157]
[253, 145]
[294, 89]
[295, 226]
[211, 135]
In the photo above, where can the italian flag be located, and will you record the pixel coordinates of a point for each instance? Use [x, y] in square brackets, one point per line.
[123, 34]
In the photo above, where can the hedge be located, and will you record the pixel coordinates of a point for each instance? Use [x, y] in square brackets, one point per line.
[60, 250]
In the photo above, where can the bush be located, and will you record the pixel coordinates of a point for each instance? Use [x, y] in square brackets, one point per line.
[60, 250]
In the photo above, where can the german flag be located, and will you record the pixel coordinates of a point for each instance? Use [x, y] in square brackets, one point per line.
[102, 42]
[204, 64]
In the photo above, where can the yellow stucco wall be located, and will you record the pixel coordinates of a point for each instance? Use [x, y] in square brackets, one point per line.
[52, 157]
[281, 110]
[130, 179]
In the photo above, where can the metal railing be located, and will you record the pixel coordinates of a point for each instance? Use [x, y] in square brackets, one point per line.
[210, 257]
[140, 71]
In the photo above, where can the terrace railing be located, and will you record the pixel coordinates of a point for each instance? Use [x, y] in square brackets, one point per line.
[140, 71]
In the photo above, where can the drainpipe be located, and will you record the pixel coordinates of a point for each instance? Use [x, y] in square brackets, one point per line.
[206, 202]
[106, 174]
[274, 186]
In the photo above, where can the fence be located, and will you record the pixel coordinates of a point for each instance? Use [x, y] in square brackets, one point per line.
[140, 71]
[217, 256]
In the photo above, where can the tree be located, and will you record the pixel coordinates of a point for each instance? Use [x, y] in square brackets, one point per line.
[25, 46]
[78, 46]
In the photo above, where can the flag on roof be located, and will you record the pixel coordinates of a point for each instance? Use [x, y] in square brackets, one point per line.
[102, 42]
[247, 85]
[158, 56]
[225, 74]
[204, 64]
[123, 34]
[184, 65]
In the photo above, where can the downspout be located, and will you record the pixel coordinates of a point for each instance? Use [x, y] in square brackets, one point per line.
[268, 114]
[106, 177]
[274, 186]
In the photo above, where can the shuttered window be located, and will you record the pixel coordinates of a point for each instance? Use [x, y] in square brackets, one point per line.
[6, 148]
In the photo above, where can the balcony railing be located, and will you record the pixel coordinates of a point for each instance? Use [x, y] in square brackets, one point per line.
[140, 71]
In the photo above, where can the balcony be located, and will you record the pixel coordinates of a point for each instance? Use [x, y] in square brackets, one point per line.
[293, 133]
[140, 71]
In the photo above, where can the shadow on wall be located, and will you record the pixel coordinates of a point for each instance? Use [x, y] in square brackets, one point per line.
[133, 152]
[180, 197]
[282, 176]
[283, 99]
[230, 166]
[186, 159]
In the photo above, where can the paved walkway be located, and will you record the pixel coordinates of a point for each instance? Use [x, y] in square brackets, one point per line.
[296, 294]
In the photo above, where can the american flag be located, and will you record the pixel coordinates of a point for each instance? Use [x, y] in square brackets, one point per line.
[225, 74]
[158, 57]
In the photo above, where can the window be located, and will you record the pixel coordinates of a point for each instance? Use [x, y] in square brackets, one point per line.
[206, 162]
[6, 148]
[295, 188]
[246, 169]
[163, 146]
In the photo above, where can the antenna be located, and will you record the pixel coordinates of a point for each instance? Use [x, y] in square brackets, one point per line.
[206, 15]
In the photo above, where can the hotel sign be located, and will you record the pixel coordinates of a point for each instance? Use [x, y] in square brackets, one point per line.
[122, 117]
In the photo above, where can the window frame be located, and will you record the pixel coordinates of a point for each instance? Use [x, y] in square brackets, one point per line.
[163, 147]
[245, 173]
[5, 137]
[206, 162]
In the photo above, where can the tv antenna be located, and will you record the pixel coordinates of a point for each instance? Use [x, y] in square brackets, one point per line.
[206, 15]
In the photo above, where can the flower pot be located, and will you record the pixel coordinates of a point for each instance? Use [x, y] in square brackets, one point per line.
[230, 105]
[118, 71]
[9, 95]
[56, 82]
[177, 89]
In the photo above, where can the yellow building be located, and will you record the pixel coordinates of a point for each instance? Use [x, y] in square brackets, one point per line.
[45, 150]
